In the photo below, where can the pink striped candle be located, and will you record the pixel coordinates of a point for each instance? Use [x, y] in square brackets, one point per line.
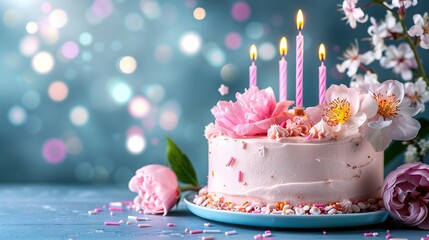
[299, 59]
[283, 71]
[322, 74]
[252, 68]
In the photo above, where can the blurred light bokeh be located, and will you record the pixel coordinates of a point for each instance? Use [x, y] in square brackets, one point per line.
[90, 89]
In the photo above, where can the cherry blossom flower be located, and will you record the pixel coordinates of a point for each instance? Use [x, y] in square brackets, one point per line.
[352, 60]
[393, 120]
[421, 29]
[379, 31]
[404, 3]
[401, 59]
[416, 94]
[365, 83]
[343, 111]
[353, 14]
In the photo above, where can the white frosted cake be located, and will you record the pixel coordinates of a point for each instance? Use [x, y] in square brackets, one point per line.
[265, 158]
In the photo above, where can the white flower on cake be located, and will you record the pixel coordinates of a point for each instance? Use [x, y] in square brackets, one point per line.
[393, 120]
[421, 29]
[416, 94]
[401, 59]
[352, 13]
[343, 111]
[352, 60]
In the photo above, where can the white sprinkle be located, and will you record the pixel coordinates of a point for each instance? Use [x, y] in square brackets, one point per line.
[361, 205]
[142, 218]
[266, 235]
[212, 231]
[230, 232]
[315, 211]
[207, 224]
[92, 212]
[142, 225]
[121, 221]
[115, 204]
[133, 218]
[207, 238]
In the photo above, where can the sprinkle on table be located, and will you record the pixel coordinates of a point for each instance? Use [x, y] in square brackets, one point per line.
[142, 225]
[207, 238]
[212, 231]
[170, 224]
[196, 231]
[207, 224]
[232, 232]
[112, 223]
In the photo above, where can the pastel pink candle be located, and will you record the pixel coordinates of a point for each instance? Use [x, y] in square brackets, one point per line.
[322, 74]
[299, 60]
[252, 68]
[283, 71]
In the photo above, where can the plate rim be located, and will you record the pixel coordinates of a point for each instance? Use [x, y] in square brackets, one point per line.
[381, 214]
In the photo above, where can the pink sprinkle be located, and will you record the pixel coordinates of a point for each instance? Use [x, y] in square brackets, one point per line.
[112, 223]
[267, 231]
[186, 229]
[170, 225]
[318, 205]
[111, 213]
[257, 236]
[231, 161]
[98, 210]
[118, 209]
[240, 176]
[370, 234]
[388, 236]
[195, 231]
[283, 124]
[127, 202]
[324, 232]
[128, 223]
[243, 145]
[424, 238]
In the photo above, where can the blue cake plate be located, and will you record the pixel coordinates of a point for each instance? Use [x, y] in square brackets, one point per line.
[286, 221]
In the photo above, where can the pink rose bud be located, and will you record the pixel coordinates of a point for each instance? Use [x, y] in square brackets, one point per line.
[406, 194]
[157, 189]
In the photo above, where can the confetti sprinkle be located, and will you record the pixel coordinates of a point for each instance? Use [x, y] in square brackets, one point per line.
[207, 224]
[170, 225]
[232, 232]
[143, 225]
[196, 231]
[112, 223]
[207, 238]
[212, 231]
[223, 90]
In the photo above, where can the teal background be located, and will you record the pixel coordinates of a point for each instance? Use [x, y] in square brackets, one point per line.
[176, 86]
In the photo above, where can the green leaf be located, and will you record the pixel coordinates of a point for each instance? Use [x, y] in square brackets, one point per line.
[180, 164]
[397, 148]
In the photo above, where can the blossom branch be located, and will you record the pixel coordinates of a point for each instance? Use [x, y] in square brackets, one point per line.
[408, 38]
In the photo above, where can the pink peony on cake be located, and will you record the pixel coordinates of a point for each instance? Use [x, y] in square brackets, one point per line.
[264, 157]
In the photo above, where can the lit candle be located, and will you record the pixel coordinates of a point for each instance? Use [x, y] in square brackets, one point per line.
[299, 59]
[322, 74]
[252, 68]
[283, 70]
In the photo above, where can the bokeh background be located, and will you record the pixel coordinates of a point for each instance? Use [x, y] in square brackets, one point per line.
[90, 89]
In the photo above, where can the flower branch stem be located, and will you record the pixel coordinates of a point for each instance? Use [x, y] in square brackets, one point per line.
[190, 188]
[409, 40]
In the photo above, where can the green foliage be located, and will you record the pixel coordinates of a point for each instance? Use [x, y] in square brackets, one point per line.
[180, 164]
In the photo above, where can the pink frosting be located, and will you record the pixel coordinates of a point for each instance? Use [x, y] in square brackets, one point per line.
[298, 126]
[252, 114]
[406, 195]
[277, 132]
[157, 189]
[211, 131]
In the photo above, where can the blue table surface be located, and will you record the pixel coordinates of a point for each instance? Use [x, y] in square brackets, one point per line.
[61, 212]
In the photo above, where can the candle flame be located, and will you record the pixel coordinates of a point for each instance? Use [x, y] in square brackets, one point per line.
[299, 20]
[322, 52]
[283, 46]
[253, 52]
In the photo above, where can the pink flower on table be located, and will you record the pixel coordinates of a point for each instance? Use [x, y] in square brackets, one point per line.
[393, 120]
[416, 94]
[157, 189]
[406, 194]
[421, 29]
[352, 60]
[352, 13]
[401, 59]
[344, 112]
[253, 113]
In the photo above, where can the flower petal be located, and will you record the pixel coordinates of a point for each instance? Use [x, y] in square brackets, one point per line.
[404, 128]
[376, 135]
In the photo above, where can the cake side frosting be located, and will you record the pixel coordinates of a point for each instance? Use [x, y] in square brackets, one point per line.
[294, 170]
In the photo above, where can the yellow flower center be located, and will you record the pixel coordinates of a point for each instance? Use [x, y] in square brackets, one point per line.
[387, 105]
[338, 111]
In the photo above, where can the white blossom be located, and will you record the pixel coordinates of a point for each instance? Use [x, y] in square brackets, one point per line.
[352, 60]
[416, 94]
[411, 154]
[404, 3]
[424, 146]
[364, 83]
[379, 31]
[401, 59]
[421, 29]
[352, 13]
